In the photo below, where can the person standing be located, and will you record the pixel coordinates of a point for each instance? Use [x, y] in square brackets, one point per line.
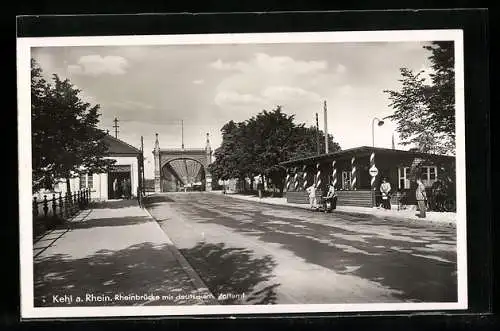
[124, 188]
[421, 197]
[260, 186]
[385, 189]
[115, 188]
[331, 197]
[128, 189]
[312, 196]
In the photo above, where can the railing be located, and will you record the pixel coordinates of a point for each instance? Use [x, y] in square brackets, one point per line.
[59, 206]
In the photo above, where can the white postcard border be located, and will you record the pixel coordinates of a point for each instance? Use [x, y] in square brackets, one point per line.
[25, 180]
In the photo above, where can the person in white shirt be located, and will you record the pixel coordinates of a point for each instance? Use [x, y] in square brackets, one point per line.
[312, 196]
[385, 189]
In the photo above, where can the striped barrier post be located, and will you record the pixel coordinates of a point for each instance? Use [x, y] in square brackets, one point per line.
[373, 174]
[288, 179]
[353, 173]
[304, 178]
[318, 174]
[295, 181]
[334, 174]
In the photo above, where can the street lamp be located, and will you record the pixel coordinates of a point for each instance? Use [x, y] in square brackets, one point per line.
[380, 122]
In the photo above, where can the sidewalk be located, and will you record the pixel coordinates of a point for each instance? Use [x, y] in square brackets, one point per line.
[113, 254]
[434, 218]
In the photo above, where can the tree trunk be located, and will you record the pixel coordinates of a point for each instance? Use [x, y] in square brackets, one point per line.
[243, 184]
[68, 185]
[415, 168]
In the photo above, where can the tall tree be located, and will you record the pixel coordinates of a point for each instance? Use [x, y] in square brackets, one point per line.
[225, 165]
[305, 140]
[272, 145]
[257, 146]
[66, 139]
[425, 112]
[41, 166]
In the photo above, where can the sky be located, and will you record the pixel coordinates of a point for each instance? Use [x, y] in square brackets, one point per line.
[151, 89]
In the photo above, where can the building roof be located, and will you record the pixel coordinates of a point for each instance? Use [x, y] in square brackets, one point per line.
[117, 147]
[362, 151]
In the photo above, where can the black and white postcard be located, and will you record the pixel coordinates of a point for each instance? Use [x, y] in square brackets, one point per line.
[201, 174]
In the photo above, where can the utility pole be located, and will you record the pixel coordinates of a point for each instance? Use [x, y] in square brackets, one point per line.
[317, 133]
[116, 127]
[326, 127]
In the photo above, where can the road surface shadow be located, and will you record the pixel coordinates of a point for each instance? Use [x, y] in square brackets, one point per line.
[231, 272]
[114, 204]
[385, 260]
[139, 269]
[154, 199]
[105, 222]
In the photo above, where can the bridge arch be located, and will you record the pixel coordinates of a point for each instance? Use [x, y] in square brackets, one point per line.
[165, 164]
[182, 173]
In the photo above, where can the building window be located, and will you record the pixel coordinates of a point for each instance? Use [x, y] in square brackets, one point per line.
[429, 175]
[404, 181]
[83, 181]
[90, 181]
[346, 180]
[86, 181]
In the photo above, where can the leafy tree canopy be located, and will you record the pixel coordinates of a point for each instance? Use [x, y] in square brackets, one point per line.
[257, 146]
[65, 138]
[425, 111]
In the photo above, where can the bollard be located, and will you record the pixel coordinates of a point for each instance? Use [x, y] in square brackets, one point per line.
[54, 205]
[75, 204]
[35, 207]
[61, 213]
[45, 206]
[66, 205]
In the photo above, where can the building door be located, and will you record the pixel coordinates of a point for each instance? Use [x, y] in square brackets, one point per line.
[404, 178]
[116, 179]
[346, 180]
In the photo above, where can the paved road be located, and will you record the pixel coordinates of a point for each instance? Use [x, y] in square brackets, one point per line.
[254, 253]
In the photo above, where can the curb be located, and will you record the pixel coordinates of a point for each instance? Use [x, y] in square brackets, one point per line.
[389, 217]
[195, 278]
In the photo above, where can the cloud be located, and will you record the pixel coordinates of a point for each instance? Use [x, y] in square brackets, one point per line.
[284, 95]
[233, 98]
[345, 89]
[341, 69]
[288, 93]
[131, 105]
[272, 64]
[219, 65]
[198, 82]
[95, 65]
